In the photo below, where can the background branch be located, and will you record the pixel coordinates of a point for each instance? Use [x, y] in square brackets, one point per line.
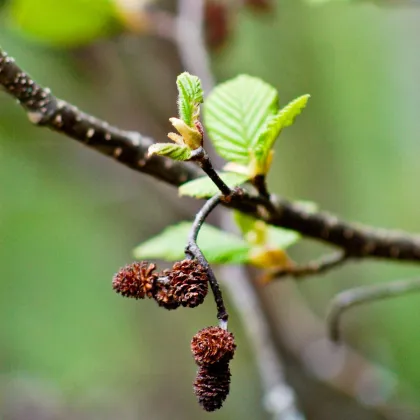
[365, 294]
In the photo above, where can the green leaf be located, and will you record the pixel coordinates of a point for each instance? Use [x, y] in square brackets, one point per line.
[235, 113]
[217, 246]
[171, 150]
[204, 187]
[274, 125]
[282, 238]
[266, 234]
[244, 221]
[65, 23]
[190, 96]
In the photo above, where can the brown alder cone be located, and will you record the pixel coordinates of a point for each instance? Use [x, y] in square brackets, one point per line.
[213, 345]
[135, 280]
[164, 296]
[212, 385]
[189, 283]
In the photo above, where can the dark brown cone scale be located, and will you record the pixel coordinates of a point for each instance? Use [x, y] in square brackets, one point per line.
[164, 296]
[212, 385]
[189, 282]
[135, 280]
[213, 345]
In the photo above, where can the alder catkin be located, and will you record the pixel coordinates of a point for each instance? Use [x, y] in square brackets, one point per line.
[164, 295]
[212, 385]
[213, 345]
[189, 283]
[135, 280]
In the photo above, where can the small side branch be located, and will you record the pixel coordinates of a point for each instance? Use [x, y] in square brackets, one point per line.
[193, 251]
[365, 294]
[207, 167]
[319, 266]
[203, 160]
[260, 184]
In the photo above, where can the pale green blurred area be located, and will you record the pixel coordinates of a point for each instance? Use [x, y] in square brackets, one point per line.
[70, 218]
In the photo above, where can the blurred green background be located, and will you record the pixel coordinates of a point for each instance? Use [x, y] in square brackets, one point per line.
[69, 218]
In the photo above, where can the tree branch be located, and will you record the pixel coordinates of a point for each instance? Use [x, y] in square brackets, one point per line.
[127, 147]
[130, 148]
[365, 294]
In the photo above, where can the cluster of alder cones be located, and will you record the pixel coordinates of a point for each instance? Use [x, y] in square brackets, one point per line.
[186, 284]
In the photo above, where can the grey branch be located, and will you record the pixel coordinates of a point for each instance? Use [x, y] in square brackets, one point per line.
[319, 266]
[365, 294]
[130, 149]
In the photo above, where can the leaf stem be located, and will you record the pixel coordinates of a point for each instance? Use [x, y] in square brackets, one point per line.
[260, 184]
[193, 251]
[205, 164]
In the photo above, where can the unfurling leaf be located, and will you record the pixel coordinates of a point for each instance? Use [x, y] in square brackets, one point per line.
[190, 96]
[191, 137]
[217, 246]
[258, 233]
[273, 127]
[269, 258]
[235, 113]
[173, 151]
[244, 221]
[204, 187]
[282, 238]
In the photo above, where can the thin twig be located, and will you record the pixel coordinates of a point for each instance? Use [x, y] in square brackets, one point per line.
[344, 370]
[365, 294]
[203, 160]
[260, 183]
[130, 148]
[207, 167]
[319, 266]
[193, 250]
